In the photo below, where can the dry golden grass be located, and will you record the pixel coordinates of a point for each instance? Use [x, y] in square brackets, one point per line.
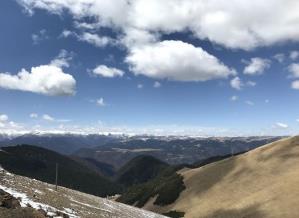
[261, 183]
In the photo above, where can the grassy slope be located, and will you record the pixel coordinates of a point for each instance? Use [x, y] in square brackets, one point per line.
[39, 163]
[84, 205]
[260, 183]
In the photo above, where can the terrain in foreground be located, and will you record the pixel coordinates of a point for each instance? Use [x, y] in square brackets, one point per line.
[76, 204]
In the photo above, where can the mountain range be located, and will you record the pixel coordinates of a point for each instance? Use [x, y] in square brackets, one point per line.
[229, 177]
[173, 151]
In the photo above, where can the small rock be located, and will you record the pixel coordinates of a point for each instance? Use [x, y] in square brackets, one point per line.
[8, 201]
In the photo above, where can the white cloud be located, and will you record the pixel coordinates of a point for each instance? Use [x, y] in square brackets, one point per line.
[94, 39]
[251, 83]
[100, 102]
[294, 70]
[48, 118]
[176, 60]
[7, 124]
[109, 72]
[234, 98]
[133, 37]
[295, 84]
[140, 86]
[33, 115]
[66, 33]
[91, 38]
[15, 125]
[63, 120]
[40, 36]
[3, 118]
[257, 66]
[157, 84]
[45, 79]
[241, 24]
[63, 59]
[236, 83]
[294, 55]
[281, 125]
[280, 57]
[249, 103]
[87, 26]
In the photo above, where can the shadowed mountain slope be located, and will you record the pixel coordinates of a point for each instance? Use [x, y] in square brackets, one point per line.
[40, 163]
[139, 170]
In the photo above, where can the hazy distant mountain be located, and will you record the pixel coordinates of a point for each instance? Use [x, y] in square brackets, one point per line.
[171, 150]
[62, 143]
[5, 137]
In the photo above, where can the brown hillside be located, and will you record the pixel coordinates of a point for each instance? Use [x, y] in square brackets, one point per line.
[261, 183]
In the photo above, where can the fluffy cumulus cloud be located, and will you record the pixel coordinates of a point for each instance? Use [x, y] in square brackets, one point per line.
[176, 60]
[257, 66]
[45, 79]
[240, 24]
[94, 39]
[236, 83]
[105, 71]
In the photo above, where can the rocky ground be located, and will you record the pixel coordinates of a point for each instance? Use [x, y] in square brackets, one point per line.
[21, 197]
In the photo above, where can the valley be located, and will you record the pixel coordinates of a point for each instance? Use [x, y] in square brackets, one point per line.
[236, 182]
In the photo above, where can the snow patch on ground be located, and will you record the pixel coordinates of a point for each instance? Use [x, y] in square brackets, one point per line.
[25, 201]
[38, 191]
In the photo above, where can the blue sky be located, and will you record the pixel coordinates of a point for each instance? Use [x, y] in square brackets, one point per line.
[120, 67]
